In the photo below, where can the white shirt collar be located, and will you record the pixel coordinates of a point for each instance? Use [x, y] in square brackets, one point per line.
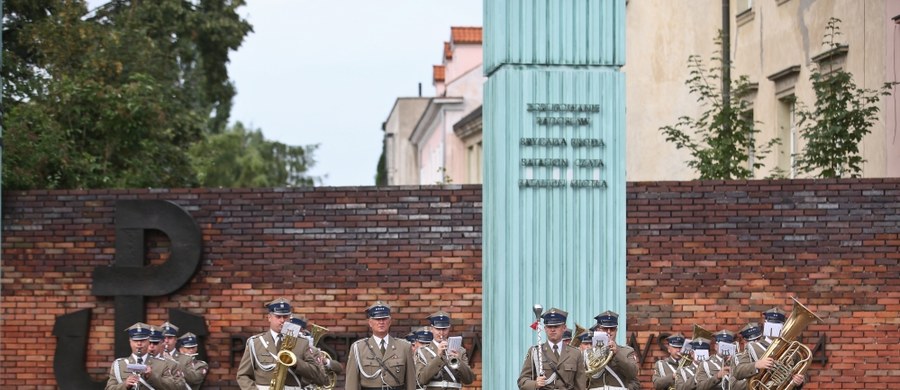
[386, 339]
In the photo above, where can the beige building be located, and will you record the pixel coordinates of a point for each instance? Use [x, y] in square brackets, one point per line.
[776, 43]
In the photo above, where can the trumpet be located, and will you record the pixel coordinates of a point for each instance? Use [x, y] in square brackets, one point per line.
[452, 362]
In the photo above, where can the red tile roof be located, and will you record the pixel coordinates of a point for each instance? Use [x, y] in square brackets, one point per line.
[448, 54]
[465, 35]
[438, 73]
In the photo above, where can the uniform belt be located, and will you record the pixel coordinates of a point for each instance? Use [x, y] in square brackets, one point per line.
[382, 388]
[607, 388]
[266, 387]
[444, 385]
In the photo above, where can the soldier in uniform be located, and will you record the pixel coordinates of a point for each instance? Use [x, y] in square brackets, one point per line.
[170, 339]
[586, 341]
[154, 373]
[380, 361]
[260, 362]
[756, 346]
[332, 366]
[686, 378]
[664, 369]
[561, 365]
[622, 370]
[194, 369]
[156, 351]
[438, 373]
[715, 373]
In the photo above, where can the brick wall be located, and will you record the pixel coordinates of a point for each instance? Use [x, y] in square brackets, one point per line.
[711, 253]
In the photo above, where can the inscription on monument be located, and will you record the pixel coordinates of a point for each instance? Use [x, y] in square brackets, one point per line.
[556, 170]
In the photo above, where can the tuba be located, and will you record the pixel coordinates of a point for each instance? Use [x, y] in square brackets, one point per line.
[791, 357]
[317, 333]
[286, 356]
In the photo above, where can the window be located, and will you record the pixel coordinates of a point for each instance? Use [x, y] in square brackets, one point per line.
[787, 133]
[744, 6]
[474, 161]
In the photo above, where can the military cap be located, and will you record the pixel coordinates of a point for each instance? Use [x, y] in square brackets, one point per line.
[298, 320]
[751, 331]
[156, 334]
[700, 343]
[279, 306]
[567, 335]
[379, 309]
[586, 337]
[411, 336]
[724, 336]
[676, 340]
[774, 315]
[608, 319]
[424, 335]
[169, 329]
[188, 340]
[439, 319]
[554, 316]
[138, 331]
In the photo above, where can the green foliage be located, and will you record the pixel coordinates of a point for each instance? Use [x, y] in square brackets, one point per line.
[241, 157]
[119, 97]
[843, 114]
[721, 140]
[381, 170]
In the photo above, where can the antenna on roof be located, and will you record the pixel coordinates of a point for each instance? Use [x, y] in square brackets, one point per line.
[420, 89]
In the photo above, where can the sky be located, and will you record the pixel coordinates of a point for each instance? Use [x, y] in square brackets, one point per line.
[328, 72]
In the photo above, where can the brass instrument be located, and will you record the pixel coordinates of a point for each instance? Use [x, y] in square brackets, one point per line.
[791, 357]
[596, 358]
[686, 359]
[452, 362]
[286, 356]
[317, 333]
[576, 341]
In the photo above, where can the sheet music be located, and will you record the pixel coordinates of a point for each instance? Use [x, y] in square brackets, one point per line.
[453, 343]
[726, 349]
[772, 330]
[600, 339]
[701, 355]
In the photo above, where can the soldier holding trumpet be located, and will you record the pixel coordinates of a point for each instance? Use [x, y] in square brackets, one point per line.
[445, 368]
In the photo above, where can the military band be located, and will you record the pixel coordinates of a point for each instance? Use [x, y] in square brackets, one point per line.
[141, 370]
[427, 360]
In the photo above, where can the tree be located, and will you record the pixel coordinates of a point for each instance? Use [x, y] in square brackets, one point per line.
[843, 114]
[90, 107]
[727, 138]
[118, 96]
[241, 157]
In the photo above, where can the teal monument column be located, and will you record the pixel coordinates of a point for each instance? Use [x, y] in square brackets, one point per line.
[554, 173]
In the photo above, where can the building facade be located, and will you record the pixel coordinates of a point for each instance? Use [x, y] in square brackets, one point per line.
[775, 43]
[422, 145]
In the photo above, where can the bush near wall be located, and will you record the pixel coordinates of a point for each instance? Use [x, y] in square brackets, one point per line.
[710, 253]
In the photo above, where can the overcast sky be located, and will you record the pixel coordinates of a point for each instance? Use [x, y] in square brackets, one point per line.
[329, 71]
